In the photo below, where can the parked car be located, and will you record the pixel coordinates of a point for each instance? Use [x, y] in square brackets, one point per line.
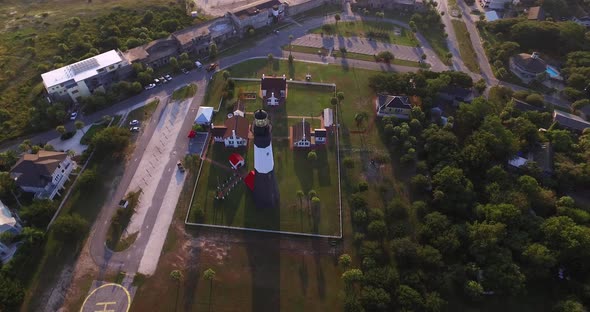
[180, 167]
[157, 81]
[163, 80]
[276, 32]
[198, 64]
[134, 122]
[134, 129]
[123, 203]
[150, 86]
[168, 77]
[184, 71]
[212, 67]
[73, 116]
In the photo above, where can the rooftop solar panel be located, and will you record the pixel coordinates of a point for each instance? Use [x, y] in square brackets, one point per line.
[84, 65]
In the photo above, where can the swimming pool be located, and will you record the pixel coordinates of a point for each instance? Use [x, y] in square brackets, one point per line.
[553, 73]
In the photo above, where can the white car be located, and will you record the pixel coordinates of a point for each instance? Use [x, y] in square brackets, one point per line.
[134, 129]
[156, 81]
[134, 122]
[163, 80]
[150, 86]
[73, 116]
[185, 71]
[168, 77]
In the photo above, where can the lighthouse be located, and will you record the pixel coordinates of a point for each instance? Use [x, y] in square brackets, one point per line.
[266, 189]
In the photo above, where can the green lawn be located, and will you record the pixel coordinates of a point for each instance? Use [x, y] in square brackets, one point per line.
[465, 46]
[380, 31]
[142, 113]
[438, 42]
[293, 171]
[348, 55]
[184, 92]
[87, 137]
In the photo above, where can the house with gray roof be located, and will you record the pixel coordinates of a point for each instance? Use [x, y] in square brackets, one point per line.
[43, 174]
[393, 105]
[570, 121]
[528, 66]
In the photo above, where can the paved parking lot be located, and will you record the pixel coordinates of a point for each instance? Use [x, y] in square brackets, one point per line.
[197, 144]
[359, 45]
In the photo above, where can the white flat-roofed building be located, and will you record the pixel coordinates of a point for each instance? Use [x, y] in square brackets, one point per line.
[84, 77]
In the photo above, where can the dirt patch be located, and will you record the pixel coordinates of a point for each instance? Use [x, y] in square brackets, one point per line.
[82, 275]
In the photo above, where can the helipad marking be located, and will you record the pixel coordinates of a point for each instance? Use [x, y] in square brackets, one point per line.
[105, 304]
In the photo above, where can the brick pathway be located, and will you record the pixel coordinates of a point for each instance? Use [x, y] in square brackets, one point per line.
[358, 45]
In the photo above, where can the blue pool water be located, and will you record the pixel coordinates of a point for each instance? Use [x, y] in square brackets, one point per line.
[552, 72]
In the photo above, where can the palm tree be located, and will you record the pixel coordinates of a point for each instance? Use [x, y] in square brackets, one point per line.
[300, 195]
[340, 96]
[209, 275]
[60, 129]
[359, 118]
[177, 276]
[270, 58]
[337, 18]
[225, 74]
[79, 125]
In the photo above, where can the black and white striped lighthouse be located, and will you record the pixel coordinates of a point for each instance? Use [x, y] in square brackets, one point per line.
[266, 189]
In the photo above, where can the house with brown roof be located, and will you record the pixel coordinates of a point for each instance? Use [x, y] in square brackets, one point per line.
[536, 14]
[43, 174]
[528, 66]
[393, 105]
[273, 90]
[301, 134]
[235, 132]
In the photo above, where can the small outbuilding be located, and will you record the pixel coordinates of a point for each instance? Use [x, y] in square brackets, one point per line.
[249, 180]
[236, 161]
[328, 117]
[204, 116]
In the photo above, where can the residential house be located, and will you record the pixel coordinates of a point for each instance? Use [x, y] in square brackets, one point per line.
[204, 116]
[74, 81]
[8, 224]
[525, 107]
[197, 39]
[43, 174]
[155, 53]
[584, 20]
[528, 66]
[570, 121]
[217, 133]
[301, 134]
[536, 14]
[261, 14]
[236, 132]
[393, 105]
[320, 136]
[273, 90]
[328, 117]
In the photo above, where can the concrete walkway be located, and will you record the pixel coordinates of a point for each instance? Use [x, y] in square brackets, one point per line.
[358, 45]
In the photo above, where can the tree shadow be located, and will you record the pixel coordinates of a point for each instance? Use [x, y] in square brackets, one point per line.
[264, 259]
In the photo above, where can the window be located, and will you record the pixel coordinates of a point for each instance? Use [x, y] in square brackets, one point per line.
[75, 91]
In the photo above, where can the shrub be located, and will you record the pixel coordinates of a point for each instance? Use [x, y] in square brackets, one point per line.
[363, 186]
[199, 215]
[68, 135]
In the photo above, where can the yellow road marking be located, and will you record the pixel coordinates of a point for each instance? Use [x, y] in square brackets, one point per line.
[106, 285]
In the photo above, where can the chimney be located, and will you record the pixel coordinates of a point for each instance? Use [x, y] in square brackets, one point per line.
[535, 55]
[262, 76]
[284, 78]
[233, 133]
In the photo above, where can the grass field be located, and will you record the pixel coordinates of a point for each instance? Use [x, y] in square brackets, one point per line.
[380, 31]
[438, 43]
[349, 55]
[465, 46]
[184, 92]
[142, 113]
[293, 171]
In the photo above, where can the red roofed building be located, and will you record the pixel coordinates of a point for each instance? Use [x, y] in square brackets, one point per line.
[236, 161]
[273, 90]
[249, 180]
